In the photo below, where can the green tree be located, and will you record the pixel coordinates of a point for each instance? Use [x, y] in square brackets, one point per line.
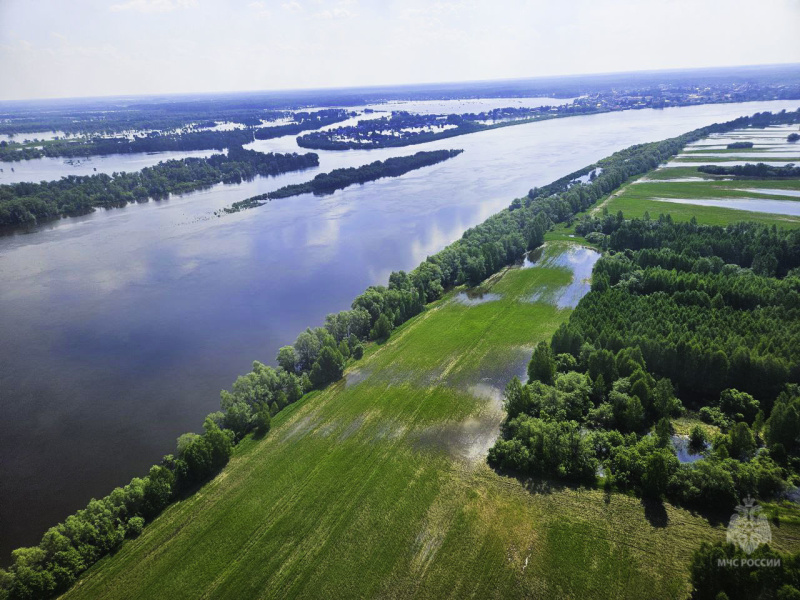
[307, 347]
[328, 367]
[382, 328]
[262, 420]
[542, 366]
[664, 401]
[739, 406]
[634, 414]
[742, 443]
[659, 467]
[601, 362]
[697, 438]
[220, 443]
[135, 526]
[158, 490]
[663, 432]
[287, 359]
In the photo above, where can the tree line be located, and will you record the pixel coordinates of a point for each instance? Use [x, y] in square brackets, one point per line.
[29, 203]
[327, 183]
[757, 171]
[338, 179]
[150, 142]
[137, 117]
[171, 141]
[304, 121]
[405, 129]
[558, 392]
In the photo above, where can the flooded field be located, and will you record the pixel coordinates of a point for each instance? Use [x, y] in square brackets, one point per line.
[122, 326]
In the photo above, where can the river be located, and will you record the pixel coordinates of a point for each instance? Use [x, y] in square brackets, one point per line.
[120, 327]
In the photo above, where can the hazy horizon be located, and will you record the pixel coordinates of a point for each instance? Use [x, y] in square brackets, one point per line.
[87, 49]
[413, 85]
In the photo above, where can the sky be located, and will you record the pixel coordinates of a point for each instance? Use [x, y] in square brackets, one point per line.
[74, 48]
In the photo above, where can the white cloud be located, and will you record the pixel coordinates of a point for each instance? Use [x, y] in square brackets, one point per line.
[341, 10]
[153, 6]
[260, 9]
[292, 6]
[331, 14]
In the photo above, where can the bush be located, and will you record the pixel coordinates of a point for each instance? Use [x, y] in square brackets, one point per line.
[135, 526]
[697, 439]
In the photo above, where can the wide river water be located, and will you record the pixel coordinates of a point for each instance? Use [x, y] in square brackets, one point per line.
[120, 328]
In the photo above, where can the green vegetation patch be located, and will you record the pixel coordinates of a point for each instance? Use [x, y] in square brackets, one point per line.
[370, 488]
[637, 200]
[722, 159]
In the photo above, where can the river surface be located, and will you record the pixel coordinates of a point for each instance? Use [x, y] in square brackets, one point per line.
[120, 328]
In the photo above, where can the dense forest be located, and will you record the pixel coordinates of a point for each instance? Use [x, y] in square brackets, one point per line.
[680, 316]
[589, 377]
[28, 203]
[338, 179]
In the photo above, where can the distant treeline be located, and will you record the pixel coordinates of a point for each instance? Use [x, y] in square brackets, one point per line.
[28, 203]
[138, 117]
[319, 356]
[760, 171]
[405, 129]
[338, 179]
[303, 122]
[165, 142]
[631, 90]
[152, 142]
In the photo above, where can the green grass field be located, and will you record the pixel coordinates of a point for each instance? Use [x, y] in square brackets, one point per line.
[648, 195]
[680, 173]
[724, 159]
[700, 150]
[378, 487]
[637, 199]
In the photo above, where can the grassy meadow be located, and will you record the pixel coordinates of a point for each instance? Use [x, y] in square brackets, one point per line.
[776, 158]
[378, 485]
[652, 192]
